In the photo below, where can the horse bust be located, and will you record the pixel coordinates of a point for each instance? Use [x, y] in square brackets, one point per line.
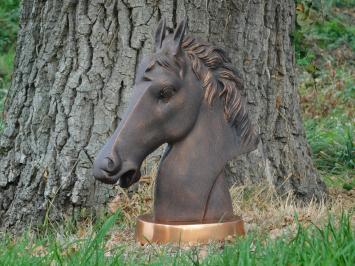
[186, 94]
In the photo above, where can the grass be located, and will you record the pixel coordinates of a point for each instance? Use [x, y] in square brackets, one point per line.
[332, 143]
[9, 14]
[325, 46]
[286, 234]
[308, 246]
[6, 64]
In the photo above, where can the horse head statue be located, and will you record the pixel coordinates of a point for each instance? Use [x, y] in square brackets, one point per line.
[188, 95]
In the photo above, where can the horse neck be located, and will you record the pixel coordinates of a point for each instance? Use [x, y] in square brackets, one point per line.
[190, 184]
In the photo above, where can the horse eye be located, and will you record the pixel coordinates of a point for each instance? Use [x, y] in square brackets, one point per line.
[166, 93]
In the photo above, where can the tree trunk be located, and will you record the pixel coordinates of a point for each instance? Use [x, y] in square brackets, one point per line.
[74, 69]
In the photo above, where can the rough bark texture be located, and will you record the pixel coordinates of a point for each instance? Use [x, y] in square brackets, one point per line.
[75, 65]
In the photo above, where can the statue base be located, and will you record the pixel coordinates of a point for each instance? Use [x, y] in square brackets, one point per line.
[148, 231]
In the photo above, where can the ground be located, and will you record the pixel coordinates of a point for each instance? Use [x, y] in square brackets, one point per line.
[280, 230]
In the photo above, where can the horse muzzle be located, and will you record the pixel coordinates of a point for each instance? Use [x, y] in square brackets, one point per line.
[110, 171]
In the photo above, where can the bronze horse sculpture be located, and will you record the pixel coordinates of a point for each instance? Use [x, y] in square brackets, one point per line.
[187, 94]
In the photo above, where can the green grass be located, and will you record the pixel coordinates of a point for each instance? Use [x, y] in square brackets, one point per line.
[332, 144]
[9, 15]
[310, 246]
[341, 3]
[332, 244]
[6, 65]
[325, 43]
[319, 25]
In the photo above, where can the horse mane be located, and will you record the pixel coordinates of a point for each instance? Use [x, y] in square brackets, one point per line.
[213, 68]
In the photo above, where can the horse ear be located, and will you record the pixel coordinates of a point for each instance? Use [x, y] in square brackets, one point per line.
[179, 35]
[160, 33]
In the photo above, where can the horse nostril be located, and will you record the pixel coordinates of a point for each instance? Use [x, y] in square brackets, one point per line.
[110, 166]
[129, 177]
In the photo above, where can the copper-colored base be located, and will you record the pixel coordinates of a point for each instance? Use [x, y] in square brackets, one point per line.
[147, 231]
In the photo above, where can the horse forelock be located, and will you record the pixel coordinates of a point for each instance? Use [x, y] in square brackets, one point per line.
[166, 60]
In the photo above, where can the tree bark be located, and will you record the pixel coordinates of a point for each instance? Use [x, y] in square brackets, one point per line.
[74, 70]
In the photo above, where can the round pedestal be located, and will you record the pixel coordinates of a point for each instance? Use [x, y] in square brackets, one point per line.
[147, 231]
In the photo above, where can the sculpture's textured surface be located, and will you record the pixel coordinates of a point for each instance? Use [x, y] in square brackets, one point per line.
[187, 95]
